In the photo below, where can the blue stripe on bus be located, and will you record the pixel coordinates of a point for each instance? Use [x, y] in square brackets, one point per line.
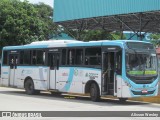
[6, 73]
[5, 66]
[71, 75]
[69, 81]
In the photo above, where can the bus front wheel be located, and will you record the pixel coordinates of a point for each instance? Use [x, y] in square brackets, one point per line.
[29, 88]
[94, 92]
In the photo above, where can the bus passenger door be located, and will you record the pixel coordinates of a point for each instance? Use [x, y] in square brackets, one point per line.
[53, 61]
[111, 69]
[13, 61]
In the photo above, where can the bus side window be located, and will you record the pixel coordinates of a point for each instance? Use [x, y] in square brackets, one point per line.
[5, 58]
[64, 55]
[11, 62]
[93, 56]
[71, 57]
[27, 57]
[119, 63]
[21, 57]
[79, 57]
[40, 57]
[44, 57]
[34, 57]
[51, 61]
[86, 61]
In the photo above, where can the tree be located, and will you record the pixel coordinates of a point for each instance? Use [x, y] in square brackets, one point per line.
[89, 35]
[155, 39]
[45, 13]
[22, 22]
[97, 35]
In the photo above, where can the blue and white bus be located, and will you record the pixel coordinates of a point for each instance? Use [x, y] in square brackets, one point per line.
[120, 68]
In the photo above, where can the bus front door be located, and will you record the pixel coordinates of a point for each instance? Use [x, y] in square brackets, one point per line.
[108, 73]
[111, 67]
[13, 61]
[53, 61]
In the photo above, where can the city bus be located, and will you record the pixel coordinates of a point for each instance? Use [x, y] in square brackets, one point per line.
[121, 68]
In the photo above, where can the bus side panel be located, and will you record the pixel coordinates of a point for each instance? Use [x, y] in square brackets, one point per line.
[41, 82]
[16, 78]
[73, 79]
[78, 77]
[119, 86]
[37, 74]
[19, 82]
[64, 79]
[122, 89]
[5, 75]
[125, 90]
[92, 74]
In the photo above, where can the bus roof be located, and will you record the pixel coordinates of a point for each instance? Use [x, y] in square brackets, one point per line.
[69, 43]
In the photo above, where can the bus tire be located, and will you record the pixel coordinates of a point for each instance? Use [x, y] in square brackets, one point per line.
[122, 100]
[94, 92]
[29, 87]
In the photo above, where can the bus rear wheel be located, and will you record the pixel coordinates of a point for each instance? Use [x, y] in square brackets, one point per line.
[29, 87]
[94, 93]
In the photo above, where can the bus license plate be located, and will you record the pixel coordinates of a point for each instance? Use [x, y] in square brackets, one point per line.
[144, 91]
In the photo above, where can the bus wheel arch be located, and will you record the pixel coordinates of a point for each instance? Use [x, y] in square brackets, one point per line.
[27, 78]
[93, 88]
[30, 87]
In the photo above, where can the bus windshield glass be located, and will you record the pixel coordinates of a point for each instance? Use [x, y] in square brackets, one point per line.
[140, 63]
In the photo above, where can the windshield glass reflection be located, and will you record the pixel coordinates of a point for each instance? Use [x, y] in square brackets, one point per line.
[141, 64]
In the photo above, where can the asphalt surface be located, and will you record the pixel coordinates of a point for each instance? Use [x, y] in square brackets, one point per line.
[16, 100]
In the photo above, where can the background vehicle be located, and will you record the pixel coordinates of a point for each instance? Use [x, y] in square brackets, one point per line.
[124, 69]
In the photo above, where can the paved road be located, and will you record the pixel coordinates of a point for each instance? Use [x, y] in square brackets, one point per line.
[16, 100]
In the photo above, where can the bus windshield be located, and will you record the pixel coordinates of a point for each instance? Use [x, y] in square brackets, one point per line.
[139, 64]
[141, 61]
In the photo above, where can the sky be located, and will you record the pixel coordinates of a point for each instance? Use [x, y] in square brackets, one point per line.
[48, 2]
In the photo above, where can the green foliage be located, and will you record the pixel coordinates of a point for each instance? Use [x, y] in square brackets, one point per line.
[95, 35]
[22, 22]
[155, 36]
[45, 13]
[118, 36]
[155, 39]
